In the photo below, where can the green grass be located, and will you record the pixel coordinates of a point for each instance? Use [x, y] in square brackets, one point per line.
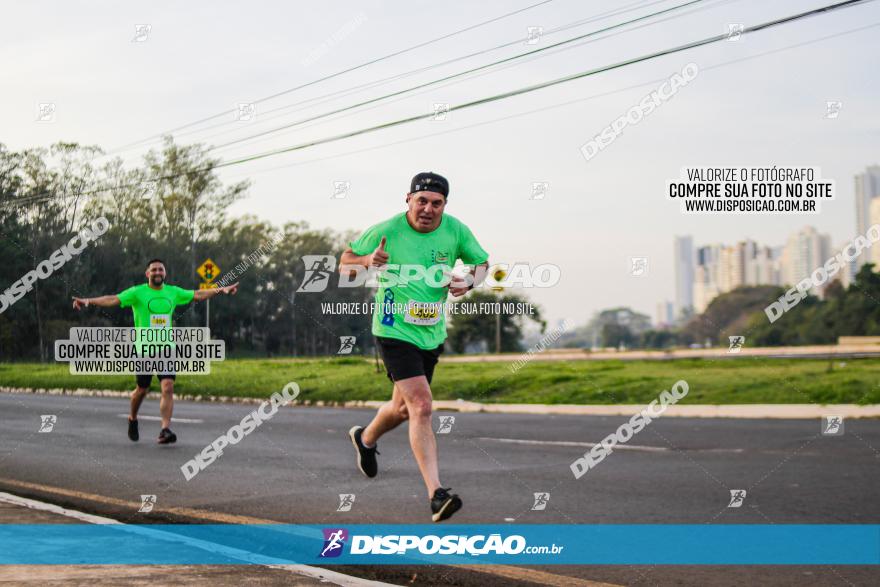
[732, 381]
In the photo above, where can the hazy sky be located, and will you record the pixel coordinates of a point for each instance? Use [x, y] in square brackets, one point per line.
[201, 58]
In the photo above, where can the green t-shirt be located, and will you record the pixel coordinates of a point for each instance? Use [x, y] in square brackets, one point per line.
[154, 308]
[413, 312]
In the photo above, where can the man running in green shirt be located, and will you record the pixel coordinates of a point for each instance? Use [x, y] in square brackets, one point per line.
[409, 320]
[153, 305]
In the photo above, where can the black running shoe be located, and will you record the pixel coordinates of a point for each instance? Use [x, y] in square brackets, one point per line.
[444, 504]
[166, 436]
[366, 457]
[133, 433]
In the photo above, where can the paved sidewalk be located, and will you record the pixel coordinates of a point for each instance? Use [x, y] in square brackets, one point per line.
[146, 575]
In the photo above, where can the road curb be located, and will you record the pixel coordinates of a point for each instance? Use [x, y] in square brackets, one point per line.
[759, 411]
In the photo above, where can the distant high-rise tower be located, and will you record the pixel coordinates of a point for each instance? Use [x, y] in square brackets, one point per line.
[684, 274]
[867, 188]
[804, 252]
[874, 250]
[665, 315]
[706, 276]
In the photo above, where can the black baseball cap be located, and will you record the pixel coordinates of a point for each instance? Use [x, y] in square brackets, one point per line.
[428, 181]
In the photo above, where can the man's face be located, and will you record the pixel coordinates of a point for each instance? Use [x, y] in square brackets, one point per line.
[425, 210]
[156, 274]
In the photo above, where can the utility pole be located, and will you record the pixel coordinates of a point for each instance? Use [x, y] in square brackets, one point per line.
[498, 275]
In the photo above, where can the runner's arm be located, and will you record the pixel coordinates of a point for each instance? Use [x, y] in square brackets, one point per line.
[478, 272]
[102, 301]
[205, 294]
[477, 275]
[348, 260]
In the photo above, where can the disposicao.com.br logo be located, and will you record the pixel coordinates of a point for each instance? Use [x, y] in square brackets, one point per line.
[431, 544]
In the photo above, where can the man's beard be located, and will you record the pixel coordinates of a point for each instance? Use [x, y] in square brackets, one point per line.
[157, 280]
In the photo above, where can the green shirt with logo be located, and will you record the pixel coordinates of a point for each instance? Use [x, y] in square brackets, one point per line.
[410, 307]
[154, 308]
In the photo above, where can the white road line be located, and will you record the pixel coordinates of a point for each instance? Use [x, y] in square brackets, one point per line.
[306, 570]
[158, 419]
[616, 446]
[573, 443]
[52, 508]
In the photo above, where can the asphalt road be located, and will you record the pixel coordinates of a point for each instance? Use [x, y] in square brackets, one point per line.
[293, 468]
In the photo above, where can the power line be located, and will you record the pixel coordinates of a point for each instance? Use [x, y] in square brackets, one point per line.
[528, 89]
[455, 75]
[512, 64]
[343, 72]
[355, 89]
[627, 8]
[556, 106]
[535, 87]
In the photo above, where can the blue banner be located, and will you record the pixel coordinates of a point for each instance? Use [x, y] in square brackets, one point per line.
[522, 544]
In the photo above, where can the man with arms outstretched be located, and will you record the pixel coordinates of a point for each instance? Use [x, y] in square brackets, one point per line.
[409, 321]
[153, 305]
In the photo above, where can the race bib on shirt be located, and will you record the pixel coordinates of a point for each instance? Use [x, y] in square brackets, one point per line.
[160, 320]
[423, 313]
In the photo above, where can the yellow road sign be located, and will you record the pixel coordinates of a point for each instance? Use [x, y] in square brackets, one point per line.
[208, 270]
[498, 275]
[208, 286]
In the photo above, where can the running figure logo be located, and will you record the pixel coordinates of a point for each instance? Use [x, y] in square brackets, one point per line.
[246, 112]
[142, 33]
[446, 423]
[832, 109]
[147, 503]
[346, 500]
[736, 343]
[318, 271]
[533, 34]
[639, 266]
[541, 500]
[539, 190]
[340, 189]
[46, 112]
[47, 422]
[735, 31]
[441, 111]
[334, 541]
[737, 496]
[346, 345]
[150, 188]
[832, 425]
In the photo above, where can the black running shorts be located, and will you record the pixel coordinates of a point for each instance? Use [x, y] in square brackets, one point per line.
[144, 380]
[404, 360]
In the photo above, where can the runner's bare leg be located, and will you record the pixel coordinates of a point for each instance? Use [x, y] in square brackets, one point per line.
[137, 398]
[166, 404]
[391, 415]
[416, 393]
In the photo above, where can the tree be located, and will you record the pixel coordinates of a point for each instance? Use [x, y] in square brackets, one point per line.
[657, 339]
[730, 314]
[468, 328]
[616, 335]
